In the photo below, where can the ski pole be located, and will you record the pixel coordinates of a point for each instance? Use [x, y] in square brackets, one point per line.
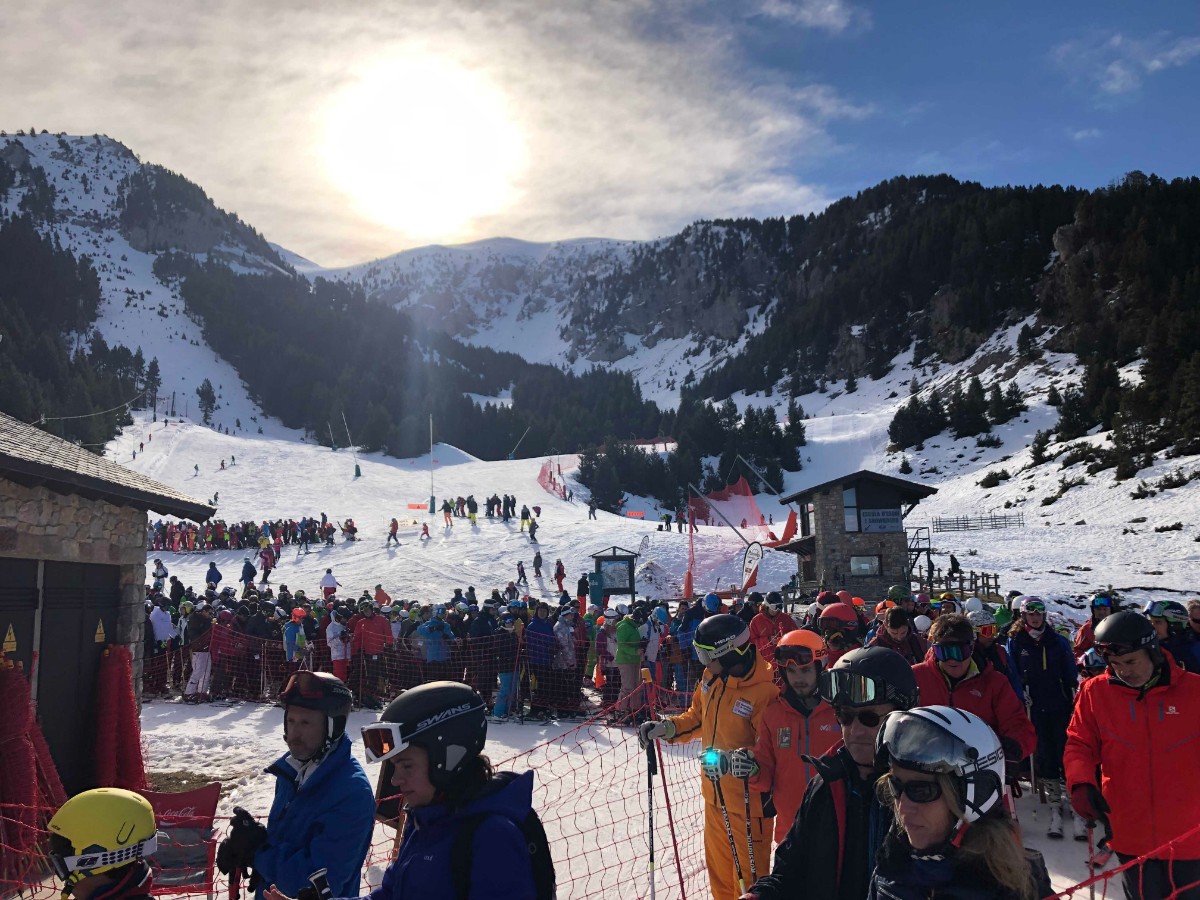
[1091, 861]
[651, 771]
[737, 863]
[749, 831]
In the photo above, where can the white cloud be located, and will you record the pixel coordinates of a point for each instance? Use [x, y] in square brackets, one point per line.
[1082, 135]
[1118, 65]
[834, 16]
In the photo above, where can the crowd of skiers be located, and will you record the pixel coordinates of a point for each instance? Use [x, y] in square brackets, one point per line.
[216, 534]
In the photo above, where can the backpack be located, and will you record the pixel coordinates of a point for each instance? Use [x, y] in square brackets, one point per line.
[535, 840]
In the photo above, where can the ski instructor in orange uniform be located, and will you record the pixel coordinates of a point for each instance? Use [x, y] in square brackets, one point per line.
[726, 711]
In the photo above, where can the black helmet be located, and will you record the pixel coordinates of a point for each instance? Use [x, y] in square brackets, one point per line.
[323, 692]
[754, 597]
[445, 718]
[1124, 632]
[774, 600]
[722, 635]
[868, 676]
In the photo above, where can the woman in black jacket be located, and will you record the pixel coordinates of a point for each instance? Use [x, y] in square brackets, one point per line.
[953, 836]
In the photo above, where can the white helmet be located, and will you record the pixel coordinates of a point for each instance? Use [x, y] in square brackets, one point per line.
[612, 615]
[943, 739]
[973, 604]
[622, 609]
[922, 623]
[981, 617]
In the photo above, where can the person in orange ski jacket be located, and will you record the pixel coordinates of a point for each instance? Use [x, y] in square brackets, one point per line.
[797, 727]
[726, 714]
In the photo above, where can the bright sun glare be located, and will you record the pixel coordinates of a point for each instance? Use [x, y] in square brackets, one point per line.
[423, 146]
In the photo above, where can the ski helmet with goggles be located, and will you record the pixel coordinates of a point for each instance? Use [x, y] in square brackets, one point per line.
[1091, 663]
[775, 601]
[712, 603]
[949, 741]
[898, 593]
[1173, 611]
[883, 606]
[98, 831]
[868, 676]
[447, 719]
[800, 648]
[984, 623]
[1124, 632]
[720, 636]
[838, 618]
[322, 692]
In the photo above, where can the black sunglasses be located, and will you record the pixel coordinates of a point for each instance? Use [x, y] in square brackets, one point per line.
[916, 791]
[866, 717]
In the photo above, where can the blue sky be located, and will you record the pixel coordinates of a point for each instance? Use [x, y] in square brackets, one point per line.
[347, 131]
[1027, 93]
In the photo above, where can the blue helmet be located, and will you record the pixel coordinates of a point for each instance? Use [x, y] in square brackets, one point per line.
[712, 603]
[660, 613]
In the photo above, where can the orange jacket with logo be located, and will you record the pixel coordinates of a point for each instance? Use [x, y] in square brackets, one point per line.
[726, 714]
[1148, 749]
[785, 737]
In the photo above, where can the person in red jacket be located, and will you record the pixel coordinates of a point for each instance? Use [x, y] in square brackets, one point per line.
[1139, 727]
[1102, 605]
[953, 678]
[796, 727]
[769, 625]
[896, 633]
[372, 634]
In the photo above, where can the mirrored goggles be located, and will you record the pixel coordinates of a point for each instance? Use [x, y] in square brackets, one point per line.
[1034, 606]
[952, 651]
[794, 657]
[1102, 601]
[987, 631]
[383, 740]
[843, 688]
[707, 654]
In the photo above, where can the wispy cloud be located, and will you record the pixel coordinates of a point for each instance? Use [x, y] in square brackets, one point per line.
[1117, 65]
[631, 129]
[1083, 135]
[834, 16]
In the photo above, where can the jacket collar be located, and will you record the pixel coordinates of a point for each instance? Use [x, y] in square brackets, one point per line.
[288, 769]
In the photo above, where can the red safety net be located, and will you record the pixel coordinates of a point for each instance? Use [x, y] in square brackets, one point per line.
[551, 479]
[733, 505]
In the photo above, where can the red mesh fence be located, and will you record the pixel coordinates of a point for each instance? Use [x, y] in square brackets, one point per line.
[550, 478]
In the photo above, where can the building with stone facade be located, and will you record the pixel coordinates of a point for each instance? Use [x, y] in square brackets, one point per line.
[851, 533]
[72, 572]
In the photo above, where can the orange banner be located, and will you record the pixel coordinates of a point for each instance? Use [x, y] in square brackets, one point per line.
[418, 506]
[636, 514]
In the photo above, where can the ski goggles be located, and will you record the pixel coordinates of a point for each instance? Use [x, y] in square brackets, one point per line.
[916, 791]
[303, 685]
[66, 866]
[1036, 606]
[987, 631]
[1159, 609]
[1102, 601]
[707, 654]
[952, 651]
[1108, 651]
[383, 740]
[794, 657]
[845, 688]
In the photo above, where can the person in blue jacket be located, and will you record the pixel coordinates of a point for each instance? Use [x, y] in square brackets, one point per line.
[539, 643]
[1044, 662]
[436, 636]
[323, 813]
[430, 741]
[213, 576]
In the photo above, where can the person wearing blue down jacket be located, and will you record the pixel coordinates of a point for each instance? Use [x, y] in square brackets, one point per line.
[324, 808]
[469, 832]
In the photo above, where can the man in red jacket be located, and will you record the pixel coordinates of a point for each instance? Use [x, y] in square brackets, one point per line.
[1138, 725]
[953, 678]
[769, 625]
[372, 634]
[797, 726]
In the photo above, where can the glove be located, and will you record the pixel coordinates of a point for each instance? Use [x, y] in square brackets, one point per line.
[1088, 802]
[238, 849]
[742, 764]
[1012, 749]
[652, 730]
[714, 763]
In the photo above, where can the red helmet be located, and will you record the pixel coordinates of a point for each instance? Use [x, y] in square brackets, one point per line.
[845, 597]
[839, 617]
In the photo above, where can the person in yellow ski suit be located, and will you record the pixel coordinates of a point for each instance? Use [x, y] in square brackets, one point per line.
[727, 707]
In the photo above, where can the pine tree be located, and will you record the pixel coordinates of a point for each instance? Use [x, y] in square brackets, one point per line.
[997, 409]
[208, 400]
[1013, 400]
[1037, 450]
[1053, 397]
[851, 383]
[1186, 422]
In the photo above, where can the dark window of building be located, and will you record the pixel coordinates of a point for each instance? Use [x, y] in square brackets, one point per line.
[850, 508]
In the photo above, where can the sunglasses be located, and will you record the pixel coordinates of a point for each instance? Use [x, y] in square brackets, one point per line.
[916, 791]
[794, 657]
[866, 717]
[955, 651]
[987, 631]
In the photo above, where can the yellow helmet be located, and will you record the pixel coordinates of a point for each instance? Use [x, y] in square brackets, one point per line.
[100, 830]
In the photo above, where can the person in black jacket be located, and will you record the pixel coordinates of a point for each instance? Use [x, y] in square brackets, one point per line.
[830, 850]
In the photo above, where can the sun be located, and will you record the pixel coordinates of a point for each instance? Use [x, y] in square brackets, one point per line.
[424, 146]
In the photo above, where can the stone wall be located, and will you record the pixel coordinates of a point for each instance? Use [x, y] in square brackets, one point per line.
[37, 523]
[835, 546]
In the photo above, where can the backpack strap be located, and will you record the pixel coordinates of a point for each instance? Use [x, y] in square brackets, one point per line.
[460, 855]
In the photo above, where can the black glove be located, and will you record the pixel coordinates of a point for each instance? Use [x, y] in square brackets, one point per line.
[245, 837]
[1012, 749]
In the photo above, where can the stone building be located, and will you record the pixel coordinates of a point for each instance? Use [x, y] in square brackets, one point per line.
[851, 533]
[72, 572]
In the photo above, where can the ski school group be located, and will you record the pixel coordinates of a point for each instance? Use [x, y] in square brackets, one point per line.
[838, 757]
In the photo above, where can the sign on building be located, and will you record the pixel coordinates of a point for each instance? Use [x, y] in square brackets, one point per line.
[880, 521]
